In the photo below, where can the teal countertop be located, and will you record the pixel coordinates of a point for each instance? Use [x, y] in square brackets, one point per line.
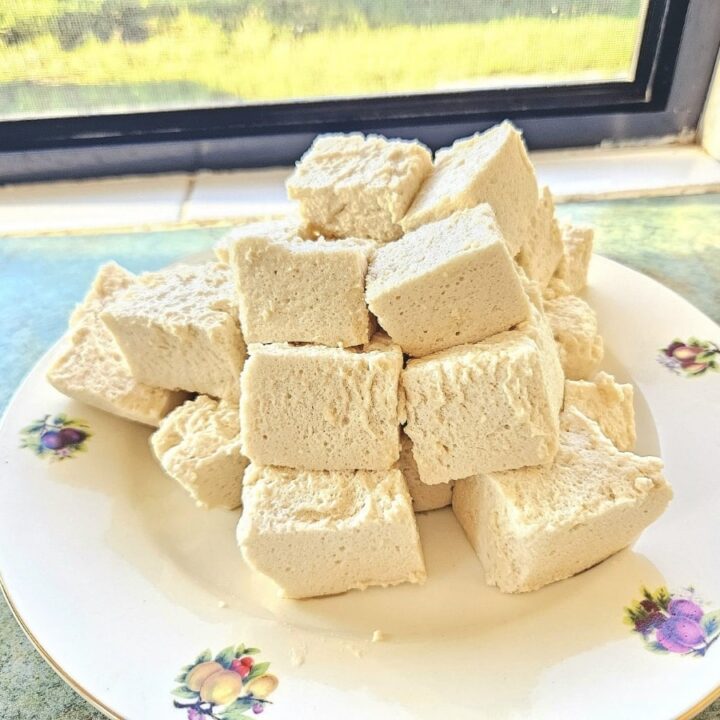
[674, 240]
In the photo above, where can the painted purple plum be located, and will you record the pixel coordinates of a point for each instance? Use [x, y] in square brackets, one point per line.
[678, 624]
[72, 436]
[194, 714]
[691, 359]
[672, 347]
[679, 634]
[685, 608]
[52, 440]
[257, 708]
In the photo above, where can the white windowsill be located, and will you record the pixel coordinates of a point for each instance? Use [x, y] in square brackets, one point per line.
[206, 198]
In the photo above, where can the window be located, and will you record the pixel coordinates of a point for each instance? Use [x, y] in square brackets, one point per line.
[212, 83]
[74, 58]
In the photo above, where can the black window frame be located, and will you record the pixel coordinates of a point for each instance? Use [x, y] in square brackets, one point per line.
[678, 47]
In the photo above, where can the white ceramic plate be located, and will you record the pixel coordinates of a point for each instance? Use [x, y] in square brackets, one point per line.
[121, 582]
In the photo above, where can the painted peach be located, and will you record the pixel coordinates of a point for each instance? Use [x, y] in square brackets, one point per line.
[261, 687]
[200, 673]
[222, 688]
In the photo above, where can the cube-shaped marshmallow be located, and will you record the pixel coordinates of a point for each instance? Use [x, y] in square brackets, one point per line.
[294, 290]
[286, 227]
[575, 329]
[608, 403]
[198, 445]
[570, 276]
[489, 406]
[322, 408]
[90, 367]
[492, 167]
[357, 186]
[321, 533]
[447, 283]
[533, 526]
[424, 496]
[543, 248]
[179, 329]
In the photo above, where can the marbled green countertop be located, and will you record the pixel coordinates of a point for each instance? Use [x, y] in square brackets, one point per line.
[674, 240]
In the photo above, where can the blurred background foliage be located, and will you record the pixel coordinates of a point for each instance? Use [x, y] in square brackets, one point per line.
[79, 56]
[71, 22]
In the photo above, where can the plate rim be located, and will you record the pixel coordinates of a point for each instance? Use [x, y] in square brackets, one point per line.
[690, 713]
[83, 692]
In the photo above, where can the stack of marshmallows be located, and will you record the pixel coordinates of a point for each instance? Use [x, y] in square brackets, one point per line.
[412, 339]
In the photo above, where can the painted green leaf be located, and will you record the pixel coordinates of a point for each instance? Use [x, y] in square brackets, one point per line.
[241, 703]
[711, 623]
[252, 651]
[203, 657]
[629, 619]
[226, 656]
[181, 677]
[234, 714]
[238, 710]
[184, 693]
[257, 670]
[239, 650]
[662, 597]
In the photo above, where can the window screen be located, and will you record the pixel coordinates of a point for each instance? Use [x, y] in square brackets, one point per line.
[83, 57]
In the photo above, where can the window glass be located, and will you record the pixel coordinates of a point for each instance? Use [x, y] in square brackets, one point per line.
[78, 57]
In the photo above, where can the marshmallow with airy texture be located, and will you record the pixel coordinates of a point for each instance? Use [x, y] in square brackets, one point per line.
[447, 283]
[533, 526]
[179, 329]
[285, 227]
[320, 533]
[198, 445]
[575, 329]
[570, 276]
[489, 406]
[294, 290]
[322, 408]
[492, 167]
[543, 248]
[424, 496]
[90, 367]
[608, 403]
[357, 186]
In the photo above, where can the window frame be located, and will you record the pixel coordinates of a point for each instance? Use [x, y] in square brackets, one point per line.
[677, 53]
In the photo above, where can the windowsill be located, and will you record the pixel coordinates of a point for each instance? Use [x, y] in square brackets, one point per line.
[207, 198]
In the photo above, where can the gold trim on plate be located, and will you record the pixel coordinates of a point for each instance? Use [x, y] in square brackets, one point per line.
[700, 706]
[109, 712]
[74, 684]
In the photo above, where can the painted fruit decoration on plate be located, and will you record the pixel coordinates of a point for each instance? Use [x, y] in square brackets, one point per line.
[230, 686]
[692, 358]
[56, 437]
[676, 623]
